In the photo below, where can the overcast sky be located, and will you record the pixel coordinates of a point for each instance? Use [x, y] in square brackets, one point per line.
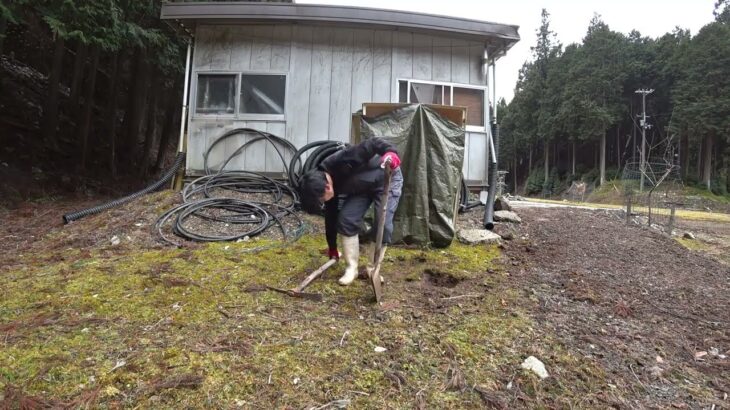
[568, 19]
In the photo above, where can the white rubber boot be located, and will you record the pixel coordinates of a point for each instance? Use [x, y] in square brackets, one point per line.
[371, 266]
[351, 254]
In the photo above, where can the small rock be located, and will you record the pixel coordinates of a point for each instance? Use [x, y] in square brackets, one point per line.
[502, 204]
[379, 349]
[296, 380]
[656, 371]
[476, 236]
[659, 359]
[507, 216]
[115, 240]
[536, 366]
[714, 351]
[688, 235]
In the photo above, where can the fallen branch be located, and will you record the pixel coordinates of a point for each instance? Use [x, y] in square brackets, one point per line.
[469, 295]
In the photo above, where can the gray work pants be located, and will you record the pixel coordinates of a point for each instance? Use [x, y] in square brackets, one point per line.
[350, 216]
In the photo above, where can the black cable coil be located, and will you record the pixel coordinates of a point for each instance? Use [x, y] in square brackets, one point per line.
[255, 216]
[73, 216]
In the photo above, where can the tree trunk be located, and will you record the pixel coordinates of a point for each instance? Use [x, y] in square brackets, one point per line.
[76, 81]
[514, 175]
[603, 159]
[707, 161]
[684, 153]
[172, 116]
[88, 105]
[618, 147]
[3, 27]
[699, 160]
[547, 163]
[150, 130]
[110, 114]
[529, 161]
[50, 110]
[633, 142]
[138, 106]
[573, 172]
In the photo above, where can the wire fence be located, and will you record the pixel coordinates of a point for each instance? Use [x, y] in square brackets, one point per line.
[652, 193]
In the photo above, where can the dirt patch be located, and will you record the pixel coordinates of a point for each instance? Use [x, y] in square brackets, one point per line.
[634, 301]
[440, 278]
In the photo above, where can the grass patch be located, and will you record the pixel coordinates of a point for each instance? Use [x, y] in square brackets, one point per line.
[679, 213]
[173, 328]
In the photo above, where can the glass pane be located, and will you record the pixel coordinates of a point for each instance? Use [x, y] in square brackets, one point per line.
[473, 100]
[402, 91]
[263, 93]
[216, 94]
[428, 93]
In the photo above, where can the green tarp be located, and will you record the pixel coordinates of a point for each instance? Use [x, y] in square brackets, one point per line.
[432, 155]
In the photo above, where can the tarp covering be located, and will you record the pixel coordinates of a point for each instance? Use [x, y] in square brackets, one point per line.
[432, 154]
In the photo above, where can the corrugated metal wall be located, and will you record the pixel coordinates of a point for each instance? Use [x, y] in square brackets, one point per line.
[331, 72]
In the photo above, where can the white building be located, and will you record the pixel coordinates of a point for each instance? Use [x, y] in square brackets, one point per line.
[299, 71]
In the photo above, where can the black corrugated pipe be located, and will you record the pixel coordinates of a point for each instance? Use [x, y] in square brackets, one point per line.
[489, 211]
[179, 160]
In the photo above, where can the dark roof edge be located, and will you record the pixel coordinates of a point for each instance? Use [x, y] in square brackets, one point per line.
[222, 11]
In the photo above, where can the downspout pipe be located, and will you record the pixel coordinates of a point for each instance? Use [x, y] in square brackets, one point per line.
[494, 143]
[186, 89]
[177, 182]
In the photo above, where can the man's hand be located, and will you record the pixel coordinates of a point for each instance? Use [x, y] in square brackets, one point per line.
[333, 253]
[393, 157]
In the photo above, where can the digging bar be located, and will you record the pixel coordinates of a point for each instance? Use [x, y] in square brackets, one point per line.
[297, 292]
[375, 276]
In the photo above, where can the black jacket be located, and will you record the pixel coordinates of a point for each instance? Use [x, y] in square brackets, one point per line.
[354, 171]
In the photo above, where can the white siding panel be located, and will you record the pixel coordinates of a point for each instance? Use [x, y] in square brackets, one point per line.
[261, 48]
[318, 103]
[362, 69]
[196, 146]
[465, 167]
[476, 73]
[382, 60]
[220, 56]
[441, 59]
[255, 160]
[241, 39]
[281, 48]
[213, 131]
[341, 88]
[273, 162]
[460, 61]
[402, 59]
[232, 144]
[296, 100]
[422, 57]
[477, 156]
[203, 47]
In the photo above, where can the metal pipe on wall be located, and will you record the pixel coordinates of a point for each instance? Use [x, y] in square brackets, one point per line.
[186, 89]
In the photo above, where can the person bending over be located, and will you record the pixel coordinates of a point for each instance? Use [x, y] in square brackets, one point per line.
[356, 173]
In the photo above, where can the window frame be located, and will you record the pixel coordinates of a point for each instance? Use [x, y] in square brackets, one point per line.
[483, 89]
[237, 115]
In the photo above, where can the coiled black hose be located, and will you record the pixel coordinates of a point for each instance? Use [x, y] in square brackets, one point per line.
[73, 216]
[489, 211]
[321, 150]
[259, 135]
[254, 216]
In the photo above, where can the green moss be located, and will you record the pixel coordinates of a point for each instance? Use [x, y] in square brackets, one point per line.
[126, 322]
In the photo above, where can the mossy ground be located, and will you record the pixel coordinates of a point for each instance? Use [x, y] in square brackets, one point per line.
[191, 328]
